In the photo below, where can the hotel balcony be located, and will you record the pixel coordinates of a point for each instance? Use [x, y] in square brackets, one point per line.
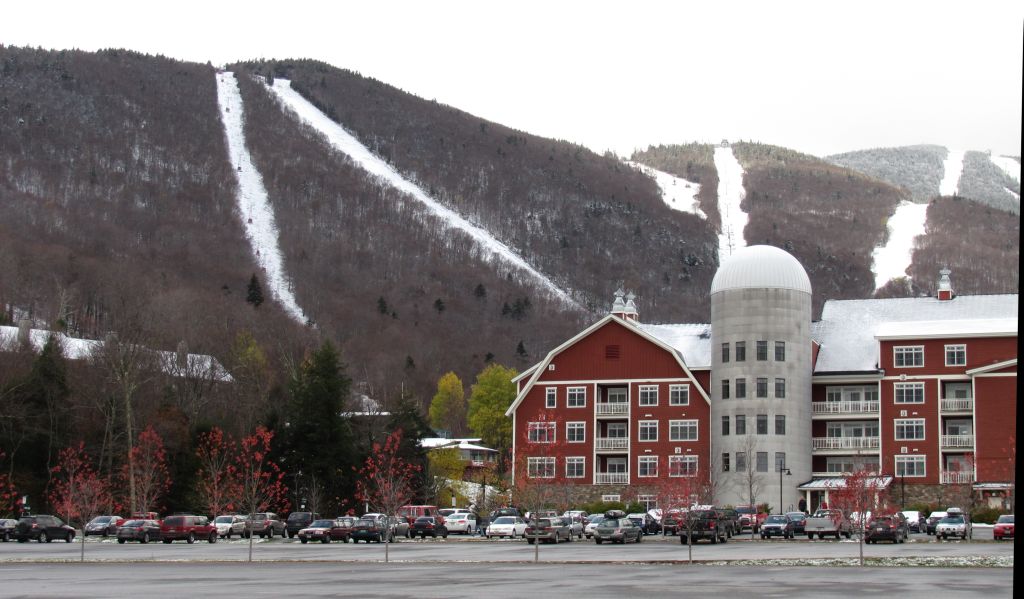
[823, 410]
[612, 444]
[950, 405]
[957, 441]
[956, 478]
[611, 409]
[844, 444]
[611, 478]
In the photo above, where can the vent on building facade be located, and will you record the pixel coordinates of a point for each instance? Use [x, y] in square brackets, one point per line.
[903, 413]
[903, 450]
[551, 366]
[612, 352]
[678, 449]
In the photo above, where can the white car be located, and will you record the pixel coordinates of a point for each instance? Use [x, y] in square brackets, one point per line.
[595, 521]
[955, 524]
[228, 525]
[507, 526]
[914, 521]
[464, 522]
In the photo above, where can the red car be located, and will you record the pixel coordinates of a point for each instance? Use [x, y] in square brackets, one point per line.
[188, 528]
[1003, 528]
[750, 518]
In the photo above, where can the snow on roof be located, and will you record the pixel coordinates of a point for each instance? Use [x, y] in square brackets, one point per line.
[366, 406]
[848, 328]
[761, 267]
[692, 341]
[442, 442]
[947, 328]
[839, 482]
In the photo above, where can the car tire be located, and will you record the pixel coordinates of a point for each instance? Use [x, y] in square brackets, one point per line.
[530, 541]
[145, 537]
[121, 541]
[303, 540]
[714, 539]
[639, 538]
[167, 541]
[212, 538]
[43, 538]
[325, 540]
[725, 539]
[191, 538]
[598, 541]
[69, 537]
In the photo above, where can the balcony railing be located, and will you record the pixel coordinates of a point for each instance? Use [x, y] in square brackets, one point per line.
[606, 443]
[958, 440]
[611, 478]
[956, 478]
[957, 405]
[844, 407]
[612, 409]
[845, 443]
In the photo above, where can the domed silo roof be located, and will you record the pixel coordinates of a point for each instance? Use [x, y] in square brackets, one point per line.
[761, 267]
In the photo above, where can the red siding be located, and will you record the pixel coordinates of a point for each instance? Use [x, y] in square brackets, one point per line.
[980, 352]
[995, 428]
[638, 357]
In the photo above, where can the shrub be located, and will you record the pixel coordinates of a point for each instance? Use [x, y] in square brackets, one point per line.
[986, 515]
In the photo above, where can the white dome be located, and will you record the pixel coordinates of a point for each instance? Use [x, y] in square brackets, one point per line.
[761, 267]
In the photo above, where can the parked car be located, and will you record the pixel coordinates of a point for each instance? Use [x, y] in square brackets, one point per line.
[799, 519]
[826, 523]
[749, 517]
[228, 525]
[955, 524]
[264, 524]
[410, 512]
[646, 522]
[551, 530]
[429, 525]
[42, 528]
[464, 522]
[505, 511]
[887, 528]
[731, 519]
[187, 528]
[342, 529]
[318, 530]
[915, 521]
[777, 525]
[616, 527]
[702, 524]
[670, 521]
[7, 526]
[1003, 528]
[369, 529]
[103, 525]
[933, 521]
[297, 521]
[592, 523]
[576, 525]
[507, 526]
[142, 531]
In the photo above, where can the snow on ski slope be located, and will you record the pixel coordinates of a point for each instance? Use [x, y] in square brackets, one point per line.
[730, 194]
[345, 142]
[678, 193]
[253, 205]
[1008, 165]
[951, 169]
[893, 259]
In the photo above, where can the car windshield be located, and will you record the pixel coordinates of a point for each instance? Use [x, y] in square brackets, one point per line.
[427, 519]
[797, 516]
[322, 524]
[885, 520]
[365, 522]
[776, 519]
[1006, 519]
[174, 521]
[505, 520]
[134, 523]
[596, 519]
[300, 516]
[224, 520]
[952, 520]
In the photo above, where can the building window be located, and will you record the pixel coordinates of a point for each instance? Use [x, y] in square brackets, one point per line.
[574, 467]
[741, 424]
[682, 465]
[909, 356]
[909, 392]
[762, 351]
[725, 352]
[855, 428]
[741, 461]
[648, 395]
[540, 467]
[741, 351]
[725, 462]
[617, 395]
[648, 430]
[780, 425]
[541, 432]
[647, 466]
[762, 461]
[780, 460]
[910, 429]
[741, 388]
[956, 355]
[616, 430]
[850, 464]
[679, 395]
[780, 388]
[762, 386]
[910, 465]
[682, 430]
[611, 498]
[551, 400]
[725, 388]
[648, 501]
[725, 426]
[762, 424]
[855, 394]
[780, 351]
[575, 432]
[576, 397]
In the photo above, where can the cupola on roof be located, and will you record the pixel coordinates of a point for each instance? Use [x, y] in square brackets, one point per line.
[761, 267]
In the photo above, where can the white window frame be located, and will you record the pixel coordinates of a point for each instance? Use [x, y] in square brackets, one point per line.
[683, 425]
[616, 426]
[550, 397]
[647, 396]
[898, 387]
[611, 498]
[901, 462]
[579, 426]
[684, 472]
[640, 430]
[679, 395]
[540, 467]
[908, 424]
[646, 459]
[576, 461]
[533, 432]
[903, 351]
[956, 349]
[576, 397]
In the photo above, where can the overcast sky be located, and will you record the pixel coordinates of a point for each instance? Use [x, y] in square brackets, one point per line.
[820, 77]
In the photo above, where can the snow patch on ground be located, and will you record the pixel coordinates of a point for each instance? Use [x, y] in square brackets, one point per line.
[1009, 166]
[345, 142]
[951, 169]
[678, 193]
[893, 259]
[1015, 195]
[730, 194]
[253, 205]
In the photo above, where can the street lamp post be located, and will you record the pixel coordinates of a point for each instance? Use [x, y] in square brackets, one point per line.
[788, 473]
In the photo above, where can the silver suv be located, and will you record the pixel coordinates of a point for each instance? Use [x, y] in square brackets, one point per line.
[955, 524]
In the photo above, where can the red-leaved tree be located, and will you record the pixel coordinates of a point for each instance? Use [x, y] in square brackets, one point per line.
[10, 500]
[151, 477]
[216, 485]
[863, 492]
[259, 482]
[386, 481]
[77, 491]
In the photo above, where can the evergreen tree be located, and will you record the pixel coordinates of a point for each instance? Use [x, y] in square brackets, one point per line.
[448, 408]
[408, 417]
[254, 295]
[480, 292]
[439, 305]
[521, 350]
[382, 306]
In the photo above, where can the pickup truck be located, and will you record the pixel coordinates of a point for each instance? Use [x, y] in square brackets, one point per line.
[827, 523]
[702, 524]
[747, 516]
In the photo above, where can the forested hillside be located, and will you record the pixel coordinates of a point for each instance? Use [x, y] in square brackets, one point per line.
[918, 169]
[693, 162]
[985, 182]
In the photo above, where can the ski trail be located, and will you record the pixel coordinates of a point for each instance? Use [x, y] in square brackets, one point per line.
[677, 193]
[1008, 165]
[253, 205]
[730, 194]
[952, 167]
[893, 259]
[347, 143]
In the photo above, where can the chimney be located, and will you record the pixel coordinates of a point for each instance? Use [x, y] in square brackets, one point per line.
[24, 332]
[945, 287]
[182, 355]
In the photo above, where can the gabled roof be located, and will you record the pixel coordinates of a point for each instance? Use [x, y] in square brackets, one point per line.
[992, 367]
[839, 482]
[692, 341]
[542, 366]
[444, 443]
